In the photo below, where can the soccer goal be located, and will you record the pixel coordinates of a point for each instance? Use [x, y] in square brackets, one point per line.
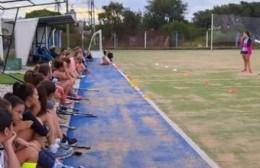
[226, 30]
[95, 45]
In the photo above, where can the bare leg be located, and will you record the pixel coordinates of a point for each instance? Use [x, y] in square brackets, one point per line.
[245, 63]
[67, 85]
[248, 63]
[52, 129]
[57, 125]
[54, 126]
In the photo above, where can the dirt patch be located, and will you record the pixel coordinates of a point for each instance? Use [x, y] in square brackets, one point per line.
[245, 74]
[227, 157]
[196, 129]
[253, 159]
[210, 142]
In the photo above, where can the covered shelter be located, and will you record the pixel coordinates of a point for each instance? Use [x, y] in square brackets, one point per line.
[24, 30]
[37, 32]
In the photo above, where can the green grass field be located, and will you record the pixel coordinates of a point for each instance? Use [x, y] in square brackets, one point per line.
[5, 79]
[205, 93]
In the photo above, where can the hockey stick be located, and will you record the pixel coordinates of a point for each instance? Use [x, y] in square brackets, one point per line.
[76, 114]
[67, 126]
[62, 107]
[77, 98]
[84, 89]
[81, 147]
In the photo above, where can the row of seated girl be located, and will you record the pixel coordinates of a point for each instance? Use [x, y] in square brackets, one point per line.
[64, 70]
[30, 128]
[32, 106]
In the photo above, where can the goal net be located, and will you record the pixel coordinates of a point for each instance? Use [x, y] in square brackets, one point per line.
[227, 30]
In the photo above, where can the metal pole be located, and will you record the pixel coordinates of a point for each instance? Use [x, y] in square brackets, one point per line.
[237, 39]
[11, 41]
[145, 39]
[176, 39]
[53, 37]
[1, 41]
[67, 26]
[212, 28]
[46, 37]
[114, 37]
[100, 41]
[207, 39]
[82, 40]
[60, 32]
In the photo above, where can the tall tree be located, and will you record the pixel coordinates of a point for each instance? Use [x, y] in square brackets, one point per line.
[131, 21]
[45, 12]
[115, 18]
[160, 12]
[41, 13]
[112, 16]
[203, 18]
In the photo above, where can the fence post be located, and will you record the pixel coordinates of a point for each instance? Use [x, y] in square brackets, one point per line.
[53, 38]
[1, 42]
[46, 38]
[212, 28]
[145, 39]
[176, 39]
[82, 40]
[207, 39]
[237, 39]
[115, 40]
[60, 34]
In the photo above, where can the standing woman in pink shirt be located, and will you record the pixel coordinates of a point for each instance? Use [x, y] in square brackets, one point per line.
[246, 45]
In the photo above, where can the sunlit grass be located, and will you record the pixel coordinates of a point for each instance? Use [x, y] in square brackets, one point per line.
[6, 79]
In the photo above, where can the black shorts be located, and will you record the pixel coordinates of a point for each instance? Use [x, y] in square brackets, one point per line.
[244, 52]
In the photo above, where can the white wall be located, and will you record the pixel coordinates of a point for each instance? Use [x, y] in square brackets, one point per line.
[24, 34]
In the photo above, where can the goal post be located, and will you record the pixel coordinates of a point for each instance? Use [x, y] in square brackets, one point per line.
[96, 38]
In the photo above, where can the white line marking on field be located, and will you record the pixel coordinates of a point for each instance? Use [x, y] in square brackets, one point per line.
[190, 80]
[216, 85]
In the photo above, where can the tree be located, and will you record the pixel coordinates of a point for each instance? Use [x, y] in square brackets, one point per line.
[41, 13]
[131, 21]
[187, 31]
[44, 13]
[203, 18]
[73, 28]
[112, 16]
[117, 19]
[160, 12]
[180, 27]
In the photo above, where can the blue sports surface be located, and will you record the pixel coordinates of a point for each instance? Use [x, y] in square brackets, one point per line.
[128, 131]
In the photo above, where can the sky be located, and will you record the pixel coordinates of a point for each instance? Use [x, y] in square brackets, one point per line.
[137, 5]
[193, 5]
